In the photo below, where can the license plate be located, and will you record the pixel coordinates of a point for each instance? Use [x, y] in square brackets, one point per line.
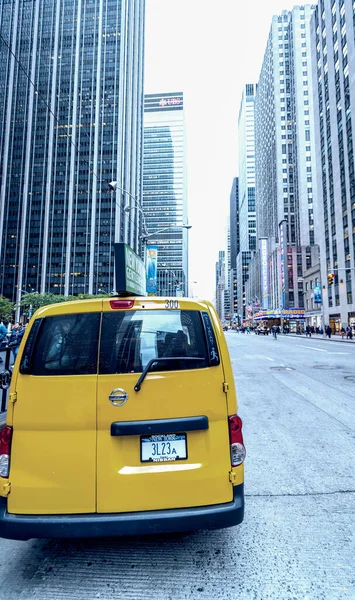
[163, 448]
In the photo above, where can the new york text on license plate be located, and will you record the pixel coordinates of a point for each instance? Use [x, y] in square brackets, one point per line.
[163, 448]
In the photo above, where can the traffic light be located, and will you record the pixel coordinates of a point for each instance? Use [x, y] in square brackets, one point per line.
[331, 278]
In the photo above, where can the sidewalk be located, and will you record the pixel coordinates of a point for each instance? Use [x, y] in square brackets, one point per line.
[334, 338]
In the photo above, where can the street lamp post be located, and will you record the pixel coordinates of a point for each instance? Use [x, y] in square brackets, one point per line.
[114, 187]
[175, 279]
[148, 235]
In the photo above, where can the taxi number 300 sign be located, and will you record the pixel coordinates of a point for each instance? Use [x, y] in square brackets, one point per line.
[171, 303]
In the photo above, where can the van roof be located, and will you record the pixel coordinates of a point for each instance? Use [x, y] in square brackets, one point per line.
[139, 302]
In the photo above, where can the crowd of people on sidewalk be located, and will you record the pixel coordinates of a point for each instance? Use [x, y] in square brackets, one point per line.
[348, 333]
[10, 337]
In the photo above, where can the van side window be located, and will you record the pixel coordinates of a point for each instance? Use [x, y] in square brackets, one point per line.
[213, 354]
[130, 339]
[27, 354]
[67, 345]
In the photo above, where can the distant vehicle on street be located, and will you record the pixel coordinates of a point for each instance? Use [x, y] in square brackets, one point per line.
[262, 330]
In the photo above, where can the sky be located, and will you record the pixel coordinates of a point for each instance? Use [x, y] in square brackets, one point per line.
[208, 50]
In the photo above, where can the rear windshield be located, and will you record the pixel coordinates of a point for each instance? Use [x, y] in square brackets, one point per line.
[66, 345]
[119, 342]
[129, 340]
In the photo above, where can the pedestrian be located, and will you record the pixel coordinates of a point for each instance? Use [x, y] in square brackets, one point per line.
[15, 339]
[349, 333]
[308, 331]
[328, 331]
[3, 337]
[274, 332]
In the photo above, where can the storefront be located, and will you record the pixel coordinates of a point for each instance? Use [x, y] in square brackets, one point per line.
[335, 323]
[291, 319]
[314, 318]
[351, 319]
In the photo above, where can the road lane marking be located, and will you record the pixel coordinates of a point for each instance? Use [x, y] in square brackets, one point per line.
[253, 356]
[262, 356]
[312, 348]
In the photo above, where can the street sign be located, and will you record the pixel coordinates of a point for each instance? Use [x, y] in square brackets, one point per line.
[129, 271]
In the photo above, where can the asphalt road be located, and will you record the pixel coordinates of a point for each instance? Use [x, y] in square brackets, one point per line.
[297, 400]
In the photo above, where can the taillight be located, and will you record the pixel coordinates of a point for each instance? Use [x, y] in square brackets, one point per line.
[238, 451]
[5, 447]
[121, 304]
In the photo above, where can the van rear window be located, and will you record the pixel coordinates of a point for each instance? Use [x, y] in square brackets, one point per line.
[130, 339]
[67, 345]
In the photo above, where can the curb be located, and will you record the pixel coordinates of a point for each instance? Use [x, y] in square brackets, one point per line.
[318, 338]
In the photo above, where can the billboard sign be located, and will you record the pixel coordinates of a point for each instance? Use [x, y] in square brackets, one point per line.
[129, 271]
[317, 294]
[152, 269]
[286, 313]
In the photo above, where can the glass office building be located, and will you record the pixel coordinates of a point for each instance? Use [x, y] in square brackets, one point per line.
[71, 114]
[164, 189]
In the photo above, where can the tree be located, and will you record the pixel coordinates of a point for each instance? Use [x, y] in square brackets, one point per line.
[36, 300]
[6, 308]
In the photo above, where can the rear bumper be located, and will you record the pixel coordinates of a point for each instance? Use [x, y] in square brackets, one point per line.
[217, 516]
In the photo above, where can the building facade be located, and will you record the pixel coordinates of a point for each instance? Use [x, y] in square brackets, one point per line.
[221, 284]
[165, 189]
[71, 80]
[286, 187]
[333, 56]
[247, 209]
[234, 246]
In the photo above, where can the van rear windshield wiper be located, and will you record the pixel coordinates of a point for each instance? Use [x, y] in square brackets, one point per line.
[154, 361]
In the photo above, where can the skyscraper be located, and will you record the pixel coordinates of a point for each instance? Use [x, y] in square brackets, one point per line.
[220, 284]
[234, 221]
[247, 214]
[333, 58]
[284, 134]
[71, 112]
[234, 245]
[165, 189]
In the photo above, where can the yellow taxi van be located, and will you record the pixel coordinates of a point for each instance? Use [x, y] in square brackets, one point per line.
[122, 420]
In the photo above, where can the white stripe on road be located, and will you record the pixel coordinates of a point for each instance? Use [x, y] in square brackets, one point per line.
[251, 356]
[312, 348]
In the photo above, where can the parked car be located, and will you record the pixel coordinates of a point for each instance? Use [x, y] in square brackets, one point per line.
[122, 420]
